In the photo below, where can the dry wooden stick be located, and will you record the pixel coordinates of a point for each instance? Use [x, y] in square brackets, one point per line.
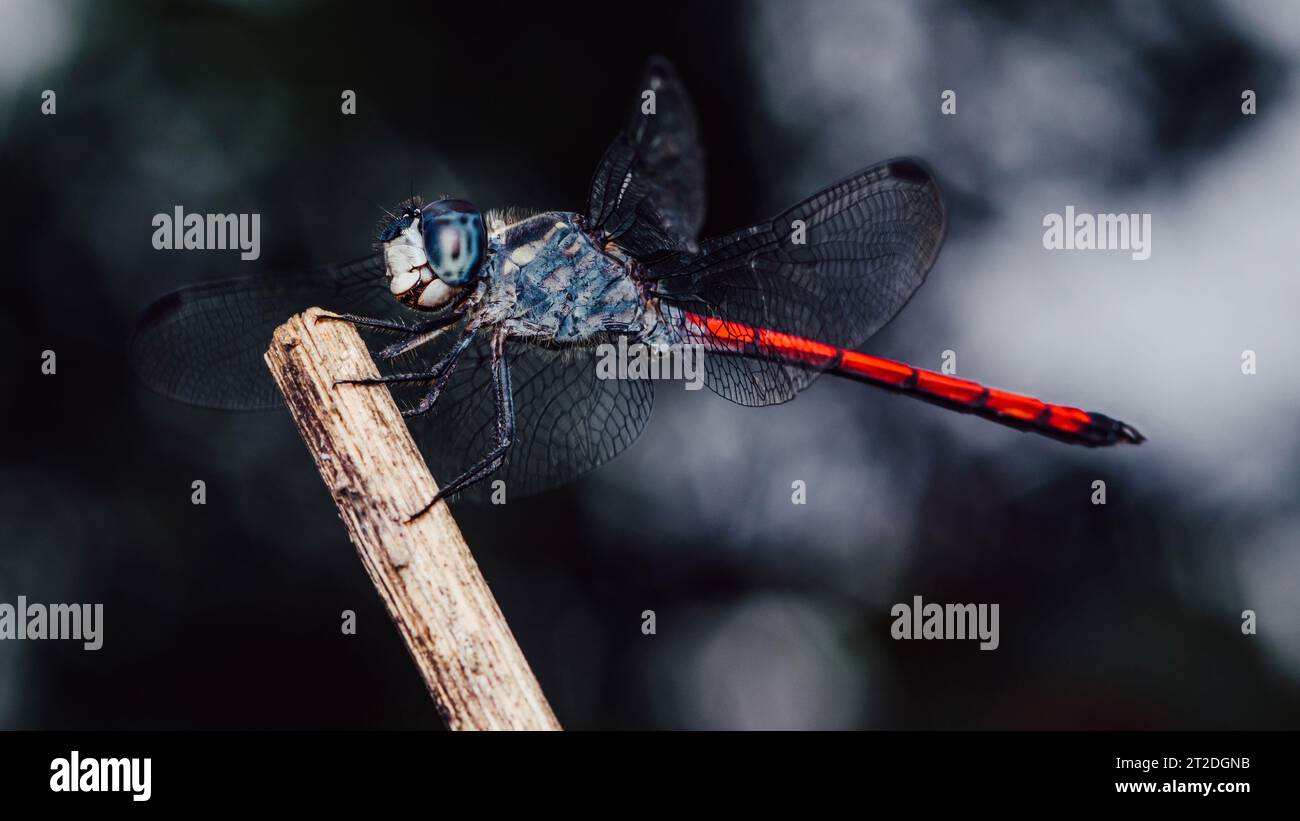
[426, 575]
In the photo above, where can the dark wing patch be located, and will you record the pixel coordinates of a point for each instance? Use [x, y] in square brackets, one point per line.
[647, 194]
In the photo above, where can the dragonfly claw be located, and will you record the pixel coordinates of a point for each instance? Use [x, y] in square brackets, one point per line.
[437, 497]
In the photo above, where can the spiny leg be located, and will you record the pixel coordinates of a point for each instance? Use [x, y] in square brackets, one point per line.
[448, 367]
[381, 324]
[439, 320]
[449, 359]
[505, 405]
[420, 337]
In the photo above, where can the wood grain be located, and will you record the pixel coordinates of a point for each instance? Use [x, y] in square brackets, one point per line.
[424, 571]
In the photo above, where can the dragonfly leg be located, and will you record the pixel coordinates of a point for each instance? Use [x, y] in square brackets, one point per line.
[438, 321]
[371, 322]
[505, 404]
[420, 336]
[447, 367]
[443, 365]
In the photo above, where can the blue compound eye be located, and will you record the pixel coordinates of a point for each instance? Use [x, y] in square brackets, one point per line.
[454, 240]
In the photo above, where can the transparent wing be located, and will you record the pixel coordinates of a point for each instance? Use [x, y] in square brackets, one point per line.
[204, 344]
[647, 194]
[834, 268]
[568, 421]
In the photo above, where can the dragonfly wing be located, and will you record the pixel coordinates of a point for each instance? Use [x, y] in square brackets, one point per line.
[834, 268]
[647, 194]
[204, 344]
[568, 420]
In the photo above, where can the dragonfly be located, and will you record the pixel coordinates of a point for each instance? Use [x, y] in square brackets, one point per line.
[497, 316]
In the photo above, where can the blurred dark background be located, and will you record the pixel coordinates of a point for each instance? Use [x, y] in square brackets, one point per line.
[769, 615]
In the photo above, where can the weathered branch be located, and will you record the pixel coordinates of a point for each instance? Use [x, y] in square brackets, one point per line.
[425, 573]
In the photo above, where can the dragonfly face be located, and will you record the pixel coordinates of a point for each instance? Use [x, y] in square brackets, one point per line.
[432, 253]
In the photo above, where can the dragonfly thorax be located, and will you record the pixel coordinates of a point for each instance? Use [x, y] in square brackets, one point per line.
[549, 280]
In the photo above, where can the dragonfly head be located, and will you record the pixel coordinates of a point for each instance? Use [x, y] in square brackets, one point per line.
[433, 252]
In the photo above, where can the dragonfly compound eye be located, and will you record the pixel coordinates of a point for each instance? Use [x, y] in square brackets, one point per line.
[454, 240]
[410, 278]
